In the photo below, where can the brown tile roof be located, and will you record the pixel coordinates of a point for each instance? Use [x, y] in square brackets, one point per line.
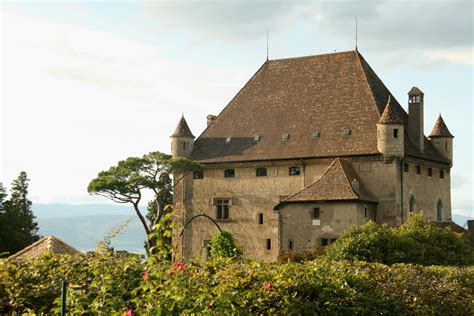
[182, 130]
[440, 129]
[46, 244]
[454, 227]
[338, 183]
[391, 114]
[415, 90]
[300, 96]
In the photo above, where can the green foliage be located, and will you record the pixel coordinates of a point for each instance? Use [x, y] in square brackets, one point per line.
[416, 241]
[223, 246]
[127, 181]
[18, 228]
[292, 256]
[111, 284]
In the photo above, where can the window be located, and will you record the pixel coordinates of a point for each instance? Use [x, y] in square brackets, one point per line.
[184, 145]
[227, 140]
[269, 244]
[316, 135]
[395, 133]
[324, 241]
[316, 213]
[261, 172]
[366, 211]
[229, 173]
[430, 172]
[418, 170]
[222, 209]
[285, 136]
[290, 244]
[439, 211]
[412, 206]
[441, 174]
[405, 167]
[260, 218]
[198, 174]
[256, 138]
[294, 171]
[347, 132]
[446, 146]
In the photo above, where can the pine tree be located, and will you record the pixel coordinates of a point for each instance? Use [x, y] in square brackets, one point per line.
[19, 226]
[3, 220]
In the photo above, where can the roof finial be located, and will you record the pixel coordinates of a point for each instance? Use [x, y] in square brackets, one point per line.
[356, 35]
[267, 45]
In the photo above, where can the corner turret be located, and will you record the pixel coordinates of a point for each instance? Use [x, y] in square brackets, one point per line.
[442, 139]
[182, 140]
[390, 132]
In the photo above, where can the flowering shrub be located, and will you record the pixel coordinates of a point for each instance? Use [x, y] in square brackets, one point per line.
[128, 285]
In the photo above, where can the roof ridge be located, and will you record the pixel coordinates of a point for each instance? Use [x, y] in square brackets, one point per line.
[312, 56]
[359, 56]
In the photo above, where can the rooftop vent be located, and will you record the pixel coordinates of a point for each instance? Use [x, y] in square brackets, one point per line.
[286, 136]
[316, 135]
[256, 138]
[347, 132]
[227, 140]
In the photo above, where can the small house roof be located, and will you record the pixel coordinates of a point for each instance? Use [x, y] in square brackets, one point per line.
[46, 244]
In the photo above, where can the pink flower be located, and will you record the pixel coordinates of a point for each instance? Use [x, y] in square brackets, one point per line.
[146, 276]
[128, 313]
[178, 266]
[268, 286]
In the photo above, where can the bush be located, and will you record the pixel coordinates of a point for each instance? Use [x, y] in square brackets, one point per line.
[223, 245]
[416, 241]
[110, 284]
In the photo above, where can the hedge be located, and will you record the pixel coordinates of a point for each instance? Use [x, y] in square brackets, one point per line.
[111, 284]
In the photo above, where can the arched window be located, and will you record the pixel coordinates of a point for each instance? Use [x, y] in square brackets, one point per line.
[294, 171]
[412, 204]
[439, 211]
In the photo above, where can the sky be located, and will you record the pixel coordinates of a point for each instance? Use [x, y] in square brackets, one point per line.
[85, 84]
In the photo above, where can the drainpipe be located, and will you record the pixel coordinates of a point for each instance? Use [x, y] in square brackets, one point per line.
[401, 187]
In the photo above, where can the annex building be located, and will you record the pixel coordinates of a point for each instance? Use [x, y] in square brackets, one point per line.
[307, 148]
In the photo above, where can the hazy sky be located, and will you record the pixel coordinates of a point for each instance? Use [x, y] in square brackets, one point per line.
[85, 84]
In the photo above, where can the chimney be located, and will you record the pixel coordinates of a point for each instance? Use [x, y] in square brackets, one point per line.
[210, 119]
[415, 118]
[470, 231]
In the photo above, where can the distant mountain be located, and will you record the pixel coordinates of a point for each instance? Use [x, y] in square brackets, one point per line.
[83, 225]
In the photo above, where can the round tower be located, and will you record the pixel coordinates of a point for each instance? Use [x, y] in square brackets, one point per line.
[442, 139]
[390, 132]
[182, 140]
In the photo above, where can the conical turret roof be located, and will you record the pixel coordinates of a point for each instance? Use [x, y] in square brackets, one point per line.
[440, 129]
[391, 114]
[182, 130]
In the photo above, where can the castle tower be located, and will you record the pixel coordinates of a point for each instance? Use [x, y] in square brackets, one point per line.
[390, 132]
[415, 118]
[182, 140]
[442, 139]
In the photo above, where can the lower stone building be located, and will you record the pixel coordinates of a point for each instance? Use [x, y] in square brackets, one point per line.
[307, 148]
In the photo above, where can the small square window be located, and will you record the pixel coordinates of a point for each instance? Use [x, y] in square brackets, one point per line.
[198, 174]
[286, 136]
[269, 244]
[229, 173]
[418, 170]
[227, 140]
[405, 167]
[441, 174]
[316, 135]
[261, 172]
[260, 218]
[395, 133]
[347, 132]
[324, 241]
[290, 244]
[256, 138]
[430, 172]
[316, 213]
[294, 171]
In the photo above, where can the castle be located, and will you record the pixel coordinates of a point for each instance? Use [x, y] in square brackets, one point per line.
[307, 148]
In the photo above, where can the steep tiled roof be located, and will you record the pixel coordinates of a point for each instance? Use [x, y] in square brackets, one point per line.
[299, 96]
[338, 183]
[46, 244]
[415, 90]
[440, 129]
[391, 114]
[182, 130]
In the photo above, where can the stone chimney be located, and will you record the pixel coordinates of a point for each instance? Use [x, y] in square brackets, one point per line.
[470, 231]
[415, 118]
[210, 119]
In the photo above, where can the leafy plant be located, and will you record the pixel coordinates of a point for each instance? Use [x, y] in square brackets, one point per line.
[223, 245]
